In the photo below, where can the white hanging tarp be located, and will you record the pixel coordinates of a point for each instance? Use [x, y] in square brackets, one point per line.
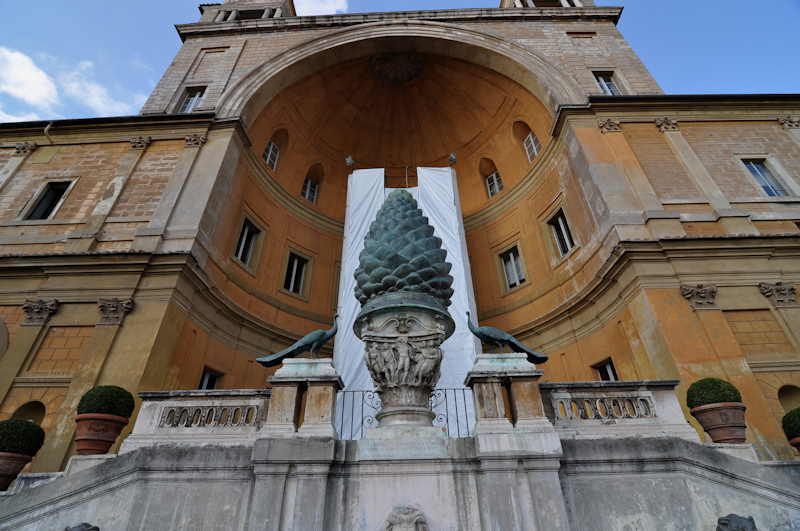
[364, 199]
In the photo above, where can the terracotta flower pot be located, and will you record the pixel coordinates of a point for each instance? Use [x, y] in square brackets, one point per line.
[724, 421]
[10, 467]
[796, 443]
[96, 432]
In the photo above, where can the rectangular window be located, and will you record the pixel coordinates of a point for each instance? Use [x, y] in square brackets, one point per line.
[607, 83]
[764, 177]
[513, 268]
[209, 379]
[561, 232]
[295, 273]
[191, 99]
[247, 242]
[494, 183]
[48, 201]
[250, 14]
[310, 189]
[606, 371]
[271, 154]
[532, 146]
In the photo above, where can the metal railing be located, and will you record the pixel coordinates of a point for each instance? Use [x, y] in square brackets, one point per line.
[356, 410]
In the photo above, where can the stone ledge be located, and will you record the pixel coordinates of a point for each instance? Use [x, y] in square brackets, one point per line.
[202, 393]
[622, 384]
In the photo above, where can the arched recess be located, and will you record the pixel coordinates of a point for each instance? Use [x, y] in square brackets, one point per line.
[312, 183]
[33, 411]
[249, 95]
[527, 139]
[789, 396]
[277, 145]
[490, 176]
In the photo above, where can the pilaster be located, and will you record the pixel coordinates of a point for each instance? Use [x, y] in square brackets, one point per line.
[148, 238]
[21, 152]
[733, 221]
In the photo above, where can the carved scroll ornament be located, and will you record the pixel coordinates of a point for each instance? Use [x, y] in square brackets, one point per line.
[113, 311]
[406, 518]
[38, 311]
[609, 126]
[667, 124]
[24, 148]
[700, 296]
[779, 293]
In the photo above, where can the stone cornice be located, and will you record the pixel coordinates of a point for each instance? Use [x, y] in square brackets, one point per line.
[683, 107]
[268, 25]
[106, 129]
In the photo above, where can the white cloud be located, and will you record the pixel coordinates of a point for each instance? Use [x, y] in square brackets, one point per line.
[22, 79]
[6, 117]
[79, 85]
[320, 7]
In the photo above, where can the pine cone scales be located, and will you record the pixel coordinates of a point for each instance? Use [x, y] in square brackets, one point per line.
[401, 254]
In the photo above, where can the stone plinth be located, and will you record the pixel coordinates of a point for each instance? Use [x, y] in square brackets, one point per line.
[508, 404]
[303, 399]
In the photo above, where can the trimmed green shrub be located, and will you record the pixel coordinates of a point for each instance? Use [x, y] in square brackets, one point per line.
[711, 391]
[19, 436]
[791, 423]
[107, 399]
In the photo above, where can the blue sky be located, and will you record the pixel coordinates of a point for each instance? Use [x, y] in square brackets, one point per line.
[101, 58]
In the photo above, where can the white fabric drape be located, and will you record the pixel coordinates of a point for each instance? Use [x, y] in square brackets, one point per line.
[364, 199]
[438, 198]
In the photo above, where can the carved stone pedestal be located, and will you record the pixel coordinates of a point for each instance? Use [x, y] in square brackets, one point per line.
[403, 357]
[507, 401]
[303, 399]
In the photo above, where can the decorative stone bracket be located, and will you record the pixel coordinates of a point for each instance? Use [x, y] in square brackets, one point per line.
[406, 517]
[113, 311]
[140, 142]
[195, 140]
[667, 124]
[609, 125]
[38, 311]
[789, 122]
[24, 148]
[700, 296]
[779, 293]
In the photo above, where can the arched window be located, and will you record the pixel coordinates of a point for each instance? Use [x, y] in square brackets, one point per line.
[33, 411]
[276, 144]
[311, 183]
[789, 395]
[528, 139]
[487, 169]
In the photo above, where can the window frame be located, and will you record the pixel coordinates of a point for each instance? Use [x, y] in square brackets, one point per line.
[186, 97]
[776, 171]
[615, 80]
[306, 280]
[208, 371]
[251, 266]
[559, 221]
[317, 185]
[519, 264]
[498, 181]
[38, 195]
[268, 153]
[536, 144]
[607, 363]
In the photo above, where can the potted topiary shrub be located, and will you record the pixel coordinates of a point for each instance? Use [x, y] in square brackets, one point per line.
[19, 442]
[717, 406]
[791, 427]
[102, 414]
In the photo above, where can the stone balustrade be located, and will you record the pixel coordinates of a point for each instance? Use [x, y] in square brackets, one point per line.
[644, 408]
[197, 417]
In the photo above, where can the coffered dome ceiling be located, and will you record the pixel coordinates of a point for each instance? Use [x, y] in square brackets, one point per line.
[397, 109]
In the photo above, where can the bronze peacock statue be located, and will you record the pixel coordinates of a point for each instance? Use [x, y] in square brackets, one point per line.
[501, 339]
[310, 342]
